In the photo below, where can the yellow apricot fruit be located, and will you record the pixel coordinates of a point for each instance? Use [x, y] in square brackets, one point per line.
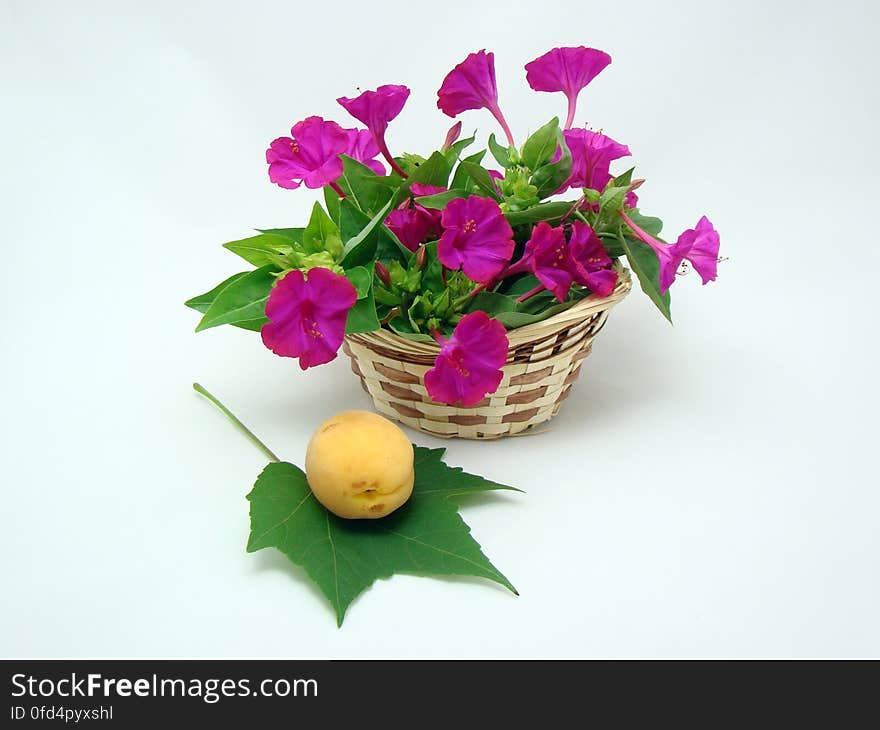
[359, 465]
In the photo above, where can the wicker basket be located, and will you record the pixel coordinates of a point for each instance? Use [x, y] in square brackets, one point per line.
[543, 362]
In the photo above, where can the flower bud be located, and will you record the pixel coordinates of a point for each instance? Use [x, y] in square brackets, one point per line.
[383, 274]
[421, 257]
[452, 135]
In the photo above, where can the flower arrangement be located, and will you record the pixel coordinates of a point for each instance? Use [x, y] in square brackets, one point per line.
[450, 248]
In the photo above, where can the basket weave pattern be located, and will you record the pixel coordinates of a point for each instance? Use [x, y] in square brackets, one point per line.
[543, 361]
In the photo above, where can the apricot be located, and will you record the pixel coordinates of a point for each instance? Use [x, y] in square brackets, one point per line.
[359, 465]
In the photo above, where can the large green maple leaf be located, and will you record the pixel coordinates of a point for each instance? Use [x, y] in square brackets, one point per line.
[426, 536]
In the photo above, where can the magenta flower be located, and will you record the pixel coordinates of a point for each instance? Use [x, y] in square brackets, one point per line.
[567, 70]
[547, 256]
[413, 225]
[476, 238]
[703, 242]
[452, 136]
[471, 85]
[557, 264]
[469, 364]
[417, 190]
[307, 316]
[591, 264]
[310, 156]
[375, 109]
[363, 148]
[698, 245]
[591, 157]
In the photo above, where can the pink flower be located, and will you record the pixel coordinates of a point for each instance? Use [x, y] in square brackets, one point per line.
[307, 316]
[471, 85]
[452, 136]
[591, 264]
[417, 190]
[591, 157]
[698, 245]
[567, 70]
[557, 264]
[469, 364]
[548, 257]
[496, 175]
[309, 156]
[476, 238]
[703, 242]
[363, 148]
[375, 109]
[413, 225]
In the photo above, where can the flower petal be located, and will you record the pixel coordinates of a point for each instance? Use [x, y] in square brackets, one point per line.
[566, 69]
[469, 363]
[363, 148]
[470, 85]
[591, 157]
[307, 316]
[376, 108]
[703, 254]
[476, 237]
[309, 156]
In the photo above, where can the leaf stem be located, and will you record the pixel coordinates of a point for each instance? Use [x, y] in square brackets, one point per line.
[238, 424]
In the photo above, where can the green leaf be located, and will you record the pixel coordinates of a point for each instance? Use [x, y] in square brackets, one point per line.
[361, 278]
[360, 249]
[549, 177]
[433, 171]
[438, 201]
[241, 301]
[624, 179]
[511, 314]
[331, 202]
[322, 234]
[644, 262]
[455, 149]
[460, 178]
[202, 302]
[426, 536]
[294, 235]
[499, 152]
[267, 248]
[649, 224]
[540, 148]
[492, 303]
[352, 220]
[481, 178]
[362, 316]
[432, 274]
[612, 199]
[401, 326]
[363, 187]
[612, 246]
[541, 212]
[388, 246]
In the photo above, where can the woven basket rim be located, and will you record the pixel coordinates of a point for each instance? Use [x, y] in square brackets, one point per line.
[517, 336]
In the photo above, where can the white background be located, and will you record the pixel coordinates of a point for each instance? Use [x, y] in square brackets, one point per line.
[710, 489]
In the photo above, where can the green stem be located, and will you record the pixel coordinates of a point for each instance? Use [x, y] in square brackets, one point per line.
[241, 427]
